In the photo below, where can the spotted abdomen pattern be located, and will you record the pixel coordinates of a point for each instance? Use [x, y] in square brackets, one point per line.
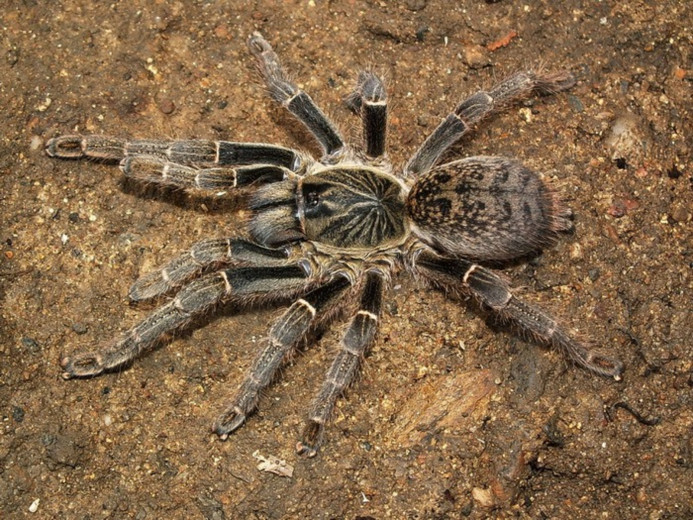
[485, 208]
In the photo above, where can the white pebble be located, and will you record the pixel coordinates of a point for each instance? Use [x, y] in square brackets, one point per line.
[34, 505]
[44, 106]
[36, 143]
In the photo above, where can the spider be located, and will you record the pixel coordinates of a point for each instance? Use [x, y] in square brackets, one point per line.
[331, 233]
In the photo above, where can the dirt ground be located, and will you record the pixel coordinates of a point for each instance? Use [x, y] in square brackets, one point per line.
[454, 416]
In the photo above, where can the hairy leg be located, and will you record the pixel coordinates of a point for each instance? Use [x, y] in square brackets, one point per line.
[201, 256]
[359, 337]
[197, 152]
[479, 106]
[212, 181]
[238, 284]
[284, 335]
[369, 99]
[491, 290]
[300, 104]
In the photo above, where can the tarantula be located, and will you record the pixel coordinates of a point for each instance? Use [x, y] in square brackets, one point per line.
[337, 229]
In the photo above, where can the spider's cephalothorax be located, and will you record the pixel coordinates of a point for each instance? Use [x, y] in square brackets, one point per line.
[346, 207]
[329, 232]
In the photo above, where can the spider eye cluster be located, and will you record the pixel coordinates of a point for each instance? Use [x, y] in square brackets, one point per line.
[312, 199]
[351, 207]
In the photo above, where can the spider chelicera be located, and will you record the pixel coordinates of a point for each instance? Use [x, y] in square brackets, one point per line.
[331, 233]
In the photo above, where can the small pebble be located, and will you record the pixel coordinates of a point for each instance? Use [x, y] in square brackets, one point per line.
[679, 214]
[167, 106]
[34, 505]
[627, 140]
[31, 344]
[421, 33]
[630, 204]
[475, 56]
[576, 252]
[36, 143]
[18, 414]
[641, 495]
[44, 106]
[575, 102]
[622, 207]
[12, 56]
[617, 209]
[222, 31]
[483, 497]
[79, 328]
[416, 5]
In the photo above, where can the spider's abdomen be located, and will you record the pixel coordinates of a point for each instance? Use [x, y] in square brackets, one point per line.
[352, 207]
[485, 208]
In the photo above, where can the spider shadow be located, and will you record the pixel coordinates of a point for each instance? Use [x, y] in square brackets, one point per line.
[494, 321]
[497, 325]
[228, 310]
[203, 203]
[237, 311]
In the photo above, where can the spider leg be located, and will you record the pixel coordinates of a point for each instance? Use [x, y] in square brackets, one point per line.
[202, 255]
[369, 99]
[195, 152]
[479, 106]
[356, 341]
[494, 292]
[218, 181]
[237, 284]
[300, 104]
[284, 335]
